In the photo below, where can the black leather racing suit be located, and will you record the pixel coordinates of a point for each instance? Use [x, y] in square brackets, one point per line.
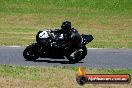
[72, 38]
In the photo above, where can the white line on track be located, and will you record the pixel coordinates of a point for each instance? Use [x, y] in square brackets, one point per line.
[13, 46]
[27, 45]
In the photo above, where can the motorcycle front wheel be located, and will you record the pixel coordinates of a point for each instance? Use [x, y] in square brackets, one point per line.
[78, 56]
[30, 53]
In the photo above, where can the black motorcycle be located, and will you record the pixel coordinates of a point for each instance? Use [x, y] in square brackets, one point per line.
[51, 44]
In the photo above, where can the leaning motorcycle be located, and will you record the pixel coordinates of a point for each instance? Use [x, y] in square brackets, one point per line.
[50, 44]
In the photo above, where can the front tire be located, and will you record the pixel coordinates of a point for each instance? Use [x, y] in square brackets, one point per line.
[30, 53]
[78, 56]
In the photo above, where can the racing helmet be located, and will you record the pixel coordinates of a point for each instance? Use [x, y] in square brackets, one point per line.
[66, 26]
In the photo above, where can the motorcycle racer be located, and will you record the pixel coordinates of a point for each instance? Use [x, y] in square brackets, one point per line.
[71, 35]
[59, 43]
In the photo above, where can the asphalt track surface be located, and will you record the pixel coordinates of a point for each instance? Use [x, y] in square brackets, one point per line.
[96, 58]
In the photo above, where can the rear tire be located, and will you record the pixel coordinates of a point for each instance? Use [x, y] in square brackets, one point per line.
[78, 56]
[30, 53]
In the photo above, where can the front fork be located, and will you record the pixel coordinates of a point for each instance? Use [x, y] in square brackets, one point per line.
[37, 48]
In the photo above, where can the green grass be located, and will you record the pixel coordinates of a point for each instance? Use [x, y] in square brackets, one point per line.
[44, 73]
[32, 77]
[109, 21]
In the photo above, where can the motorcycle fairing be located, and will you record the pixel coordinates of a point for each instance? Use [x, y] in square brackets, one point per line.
[44, 34]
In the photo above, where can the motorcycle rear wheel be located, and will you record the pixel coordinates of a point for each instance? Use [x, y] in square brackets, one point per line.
[30, 53]
[78, 56]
